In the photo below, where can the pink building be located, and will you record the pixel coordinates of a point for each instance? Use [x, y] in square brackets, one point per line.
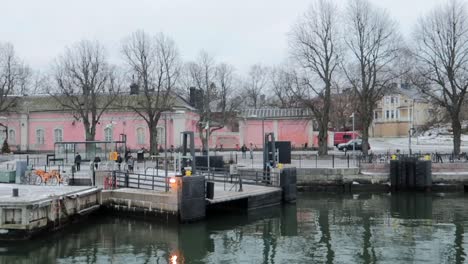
[39, 122]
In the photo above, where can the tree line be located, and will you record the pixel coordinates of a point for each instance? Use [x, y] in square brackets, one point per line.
[342, 60]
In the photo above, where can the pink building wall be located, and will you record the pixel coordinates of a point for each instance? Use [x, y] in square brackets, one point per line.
[298, 131]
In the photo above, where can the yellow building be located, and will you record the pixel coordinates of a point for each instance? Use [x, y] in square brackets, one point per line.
[398, 111]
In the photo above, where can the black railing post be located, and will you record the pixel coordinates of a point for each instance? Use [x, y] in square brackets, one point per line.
[347, 157]
[152, 184]
[126, 179]
[138, 185]
[333, 161]
[114, 180]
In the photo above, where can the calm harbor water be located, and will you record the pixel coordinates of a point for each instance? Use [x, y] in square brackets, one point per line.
[319, 228]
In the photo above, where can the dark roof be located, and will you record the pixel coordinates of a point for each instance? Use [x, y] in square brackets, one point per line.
[276, 113]
[47, 103]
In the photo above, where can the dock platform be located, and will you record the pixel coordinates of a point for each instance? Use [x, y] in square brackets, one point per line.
[41, 208]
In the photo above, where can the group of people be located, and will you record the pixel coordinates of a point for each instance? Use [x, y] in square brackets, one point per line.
[244, 149]
[97, 160]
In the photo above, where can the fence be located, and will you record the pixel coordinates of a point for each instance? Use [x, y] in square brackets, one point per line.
[122, 179]
[435, 157]
[244, 176]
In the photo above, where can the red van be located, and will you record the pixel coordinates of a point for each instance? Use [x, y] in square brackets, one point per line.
[344, 137]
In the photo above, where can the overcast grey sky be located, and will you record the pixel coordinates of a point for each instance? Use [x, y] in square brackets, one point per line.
[240, 32]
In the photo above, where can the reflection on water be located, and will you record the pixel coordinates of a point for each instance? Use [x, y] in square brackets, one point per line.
[320, 228]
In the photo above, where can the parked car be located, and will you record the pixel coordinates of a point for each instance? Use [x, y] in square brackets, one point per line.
[349, 145]
[341, 137]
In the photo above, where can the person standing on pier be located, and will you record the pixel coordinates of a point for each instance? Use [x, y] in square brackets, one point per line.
[97, 160]
[130, 163]
[251, 148]
[77, 161]
[244, 150]
[119, 160]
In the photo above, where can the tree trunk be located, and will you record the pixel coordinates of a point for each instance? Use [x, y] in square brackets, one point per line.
[456, 126]
[153, 134]
[323, 138]
[365, 140]
[203, 139]
[90, 135]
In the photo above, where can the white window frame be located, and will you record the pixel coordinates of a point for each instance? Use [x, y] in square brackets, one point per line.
[160, 136]
[55, 135]
[140, 136]
[108, 136]
[40, 139]
[11, 136]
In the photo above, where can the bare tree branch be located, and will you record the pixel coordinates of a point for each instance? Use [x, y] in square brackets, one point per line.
[441, 52]
[315, 45]
[84, 84]
[155, 63]
[373, 42]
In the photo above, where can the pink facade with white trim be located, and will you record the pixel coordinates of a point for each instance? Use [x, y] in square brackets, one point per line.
[39, 130]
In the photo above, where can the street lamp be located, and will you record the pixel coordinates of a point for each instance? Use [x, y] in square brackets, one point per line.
[354, 132]
[165, 147]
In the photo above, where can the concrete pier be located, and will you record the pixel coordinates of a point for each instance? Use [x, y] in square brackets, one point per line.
[27, 210]
[42, 208]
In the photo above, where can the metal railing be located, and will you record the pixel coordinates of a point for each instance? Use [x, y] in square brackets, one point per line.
[436, 157]
[139, 181]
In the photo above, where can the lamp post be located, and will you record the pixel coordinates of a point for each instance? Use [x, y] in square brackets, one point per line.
[411, 130]
[165, 147]
[354, 132]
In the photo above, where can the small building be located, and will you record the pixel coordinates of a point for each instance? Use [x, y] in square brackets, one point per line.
[400, 109]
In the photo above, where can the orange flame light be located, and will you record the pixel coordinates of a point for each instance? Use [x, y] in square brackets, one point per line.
[172, 180]
[174, 257]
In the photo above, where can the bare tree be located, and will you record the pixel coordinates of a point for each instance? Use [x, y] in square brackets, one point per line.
[85, 84]
[372, 39]
[343, 105]
[441, 52]
[14, 77]
[315, 46]
[155, 63]
[255, 85]
[282, 83]
[218, 102]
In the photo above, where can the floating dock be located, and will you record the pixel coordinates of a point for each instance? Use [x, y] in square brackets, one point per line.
[41, 208]
[27, 210]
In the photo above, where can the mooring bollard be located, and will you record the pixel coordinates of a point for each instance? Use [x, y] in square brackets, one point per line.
[15, 192]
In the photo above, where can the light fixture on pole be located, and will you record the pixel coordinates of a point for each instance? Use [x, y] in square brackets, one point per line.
[165, 147]
[207, 128]
[354, 133]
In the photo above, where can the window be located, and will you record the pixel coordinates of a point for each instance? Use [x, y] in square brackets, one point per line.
[396, 100]
[160, 139]
[40, 136]
[58, 135]
[376, 115]
[392, 100]
[140, 136]
[393, 114]
[2, 136]
[108, 134]
[387, 99]
[12, 137]
[387, 114]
